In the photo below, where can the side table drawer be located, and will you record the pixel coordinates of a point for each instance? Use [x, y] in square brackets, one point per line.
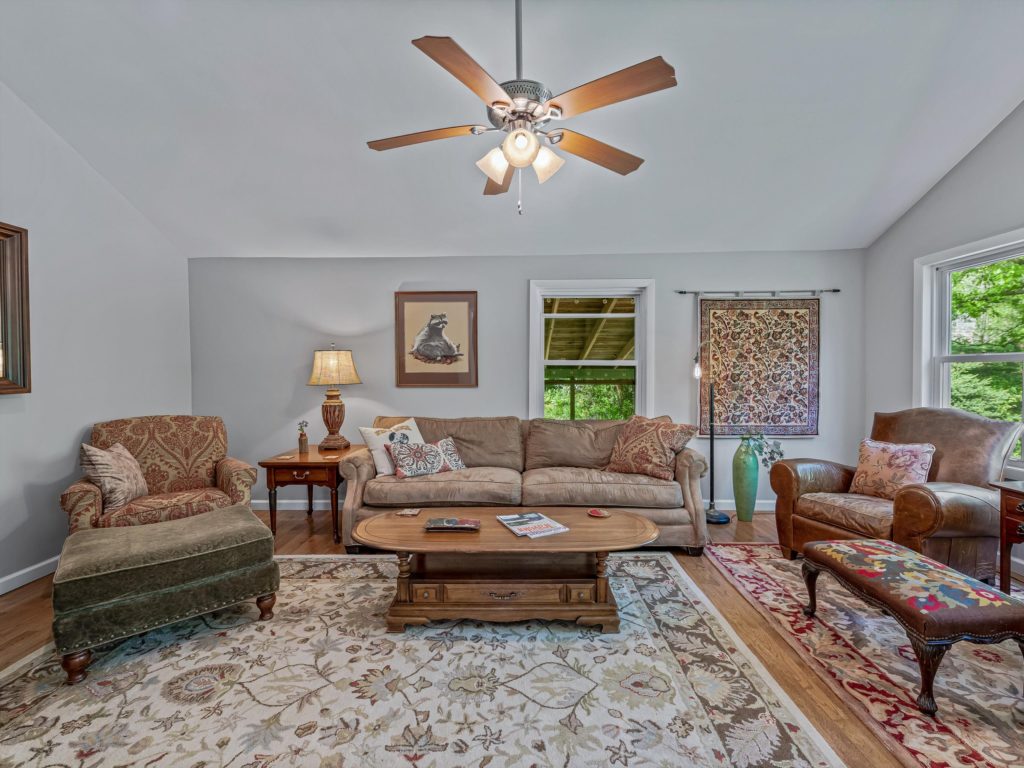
[503, 593]
[1013, 505]
[286, 476]
[425, 593]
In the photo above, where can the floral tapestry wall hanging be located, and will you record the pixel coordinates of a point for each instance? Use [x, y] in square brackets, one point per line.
[761, 355]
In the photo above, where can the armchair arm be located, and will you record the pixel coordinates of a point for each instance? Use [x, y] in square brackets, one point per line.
[83, 504]
[235, 478]
[690, 468]
[357, 469]
[792, 478]
[943, 510]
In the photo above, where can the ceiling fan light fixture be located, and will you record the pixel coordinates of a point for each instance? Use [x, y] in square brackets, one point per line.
[494, 165]
[547, 164]
[520, 147]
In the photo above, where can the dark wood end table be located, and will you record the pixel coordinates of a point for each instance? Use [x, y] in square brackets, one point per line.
[1011, 525]
[317, 467]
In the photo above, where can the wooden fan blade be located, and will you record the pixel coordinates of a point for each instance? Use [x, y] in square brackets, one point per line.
[450, 55]
[418, 138]
[596, 151]
[490, 188]
[646, 77]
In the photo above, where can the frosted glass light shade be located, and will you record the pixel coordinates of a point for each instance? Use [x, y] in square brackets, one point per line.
[547, 164]
[520, 147]
[494, 165]
[332, 367]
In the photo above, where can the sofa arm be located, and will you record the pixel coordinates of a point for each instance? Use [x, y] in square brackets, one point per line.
[792, 478]
[943, 510]
[357, 469]
[83, 504]
[691, 466]
[235, 478]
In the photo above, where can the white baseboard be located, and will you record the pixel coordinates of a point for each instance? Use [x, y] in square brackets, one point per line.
[17, 579]
[729, 505]
[293, 504]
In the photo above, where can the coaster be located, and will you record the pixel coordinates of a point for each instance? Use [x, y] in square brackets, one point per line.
[599, 512]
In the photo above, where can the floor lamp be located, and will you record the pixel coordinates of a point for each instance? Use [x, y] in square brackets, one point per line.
[712, 515]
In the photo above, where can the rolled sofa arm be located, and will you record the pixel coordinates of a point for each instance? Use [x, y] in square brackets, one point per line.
[943, 510]
[83, 504]
[691, 466]
[792, 478]
[357, 469]
[235, 478]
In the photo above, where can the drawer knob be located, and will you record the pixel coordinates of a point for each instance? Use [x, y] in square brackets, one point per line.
[1020, 507]
[426, 593]
[580, 595]
[504, 595]
[302, 476]
[1020, 529]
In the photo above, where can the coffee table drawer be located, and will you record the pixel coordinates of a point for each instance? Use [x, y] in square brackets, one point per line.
[426, 593]
[503, 593]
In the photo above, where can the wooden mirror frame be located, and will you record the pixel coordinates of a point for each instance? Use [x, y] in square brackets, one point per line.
[14, 329]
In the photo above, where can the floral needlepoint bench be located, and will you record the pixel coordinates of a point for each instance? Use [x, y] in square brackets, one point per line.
[936, 605]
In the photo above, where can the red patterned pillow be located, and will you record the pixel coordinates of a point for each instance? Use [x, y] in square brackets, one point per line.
[414, 459]
[649, 447]
[884, 468]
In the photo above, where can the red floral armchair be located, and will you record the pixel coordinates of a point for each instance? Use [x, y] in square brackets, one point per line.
[187, 470]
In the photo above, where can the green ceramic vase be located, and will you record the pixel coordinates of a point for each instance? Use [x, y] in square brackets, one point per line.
[744, 481]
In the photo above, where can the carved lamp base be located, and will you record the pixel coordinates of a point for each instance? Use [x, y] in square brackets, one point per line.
[333, 411]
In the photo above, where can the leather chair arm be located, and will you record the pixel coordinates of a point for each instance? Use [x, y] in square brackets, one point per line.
[792, 478]
[83, 504]
[357, 469]
[943, 510]
[691, 466]
[235, 478]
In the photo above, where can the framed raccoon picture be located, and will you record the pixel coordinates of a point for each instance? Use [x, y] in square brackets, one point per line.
[435, 339]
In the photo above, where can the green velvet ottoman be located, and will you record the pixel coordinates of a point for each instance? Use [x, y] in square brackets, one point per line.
[112, 583]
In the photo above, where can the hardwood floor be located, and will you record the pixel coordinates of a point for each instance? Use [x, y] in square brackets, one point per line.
[25, 626]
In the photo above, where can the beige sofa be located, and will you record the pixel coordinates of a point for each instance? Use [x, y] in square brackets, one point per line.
[535, 463]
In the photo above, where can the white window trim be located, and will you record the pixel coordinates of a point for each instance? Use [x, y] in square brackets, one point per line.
[641, 290]
[930, 335]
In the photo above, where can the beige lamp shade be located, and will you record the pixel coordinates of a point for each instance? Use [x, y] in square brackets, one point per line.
[332, 367]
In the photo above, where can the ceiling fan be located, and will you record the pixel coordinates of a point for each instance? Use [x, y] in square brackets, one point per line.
[521, 108]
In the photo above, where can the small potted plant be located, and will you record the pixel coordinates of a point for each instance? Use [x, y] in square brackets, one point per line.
[303, 437]
[753, 447]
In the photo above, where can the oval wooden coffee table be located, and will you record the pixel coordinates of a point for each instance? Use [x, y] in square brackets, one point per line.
[494, 575]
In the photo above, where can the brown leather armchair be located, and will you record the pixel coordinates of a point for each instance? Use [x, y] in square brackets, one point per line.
[953, 518]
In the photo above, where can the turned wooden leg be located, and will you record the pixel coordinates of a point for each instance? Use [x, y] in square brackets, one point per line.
[694, 551]
[404, 572]
[811, 573]
[309, 497]
[602, 577]
[266, 605]
[928, 659]
[74, 664]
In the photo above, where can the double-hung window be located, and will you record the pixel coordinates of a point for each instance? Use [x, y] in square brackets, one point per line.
[589, 350]
[978, 337]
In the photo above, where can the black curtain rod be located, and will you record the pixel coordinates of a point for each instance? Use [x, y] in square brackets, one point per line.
[777, 292]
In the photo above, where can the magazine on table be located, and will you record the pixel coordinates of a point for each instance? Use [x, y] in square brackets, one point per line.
[531, 524]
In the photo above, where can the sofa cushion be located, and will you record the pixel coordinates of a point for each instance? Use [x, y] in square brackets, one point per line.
[99, 565]
[161, 507]
[584, 486]
[855, 512]
[556, 443]
[489, 441]
[463, 487]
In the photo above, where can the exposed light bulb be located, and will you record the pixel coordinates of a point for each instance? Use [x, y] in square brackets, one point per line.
[697, 372]
[494, 165]
[520, 147]
[547, 164]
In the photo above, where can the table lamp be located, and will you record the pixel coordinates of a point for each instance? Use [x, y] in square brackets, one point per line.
[331, 368]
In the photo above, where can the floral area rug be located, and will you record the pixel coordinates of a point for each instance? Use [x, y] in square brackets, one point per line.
[322, 684]
[866, 657]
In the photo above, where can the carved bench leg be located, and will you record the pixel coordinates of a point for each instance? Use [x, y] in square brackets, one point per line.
[928, 659]
[75, 663]
[266, 605]
[810, 573]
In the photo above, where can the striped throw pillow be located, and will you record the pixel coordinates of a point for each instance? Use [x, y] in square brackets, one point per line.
[116, 473]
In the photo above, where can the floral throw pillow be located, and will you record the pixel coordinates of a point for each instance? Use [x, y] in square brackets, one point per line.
[649, 447]
[884, 468]
[414, 459]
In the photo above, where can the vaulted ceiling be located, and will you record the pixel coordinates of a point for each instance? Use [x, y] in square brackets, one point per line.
[239, 126]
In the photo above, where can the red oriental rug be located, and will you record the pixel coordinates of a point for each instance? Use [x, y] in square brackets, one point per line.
[866, 658]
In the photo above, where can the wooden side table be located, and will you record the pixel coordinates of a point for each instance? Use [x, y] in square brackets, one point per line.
[1011, 525]
[318, 467]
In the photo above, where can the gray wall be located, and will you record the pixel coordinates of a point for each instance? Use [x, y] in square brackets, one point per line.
[981, 197]
[109, 311]
[256, 321]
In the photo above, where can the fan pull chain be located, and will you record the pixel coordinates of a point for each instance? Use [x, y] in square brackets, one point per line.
[519, 181]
